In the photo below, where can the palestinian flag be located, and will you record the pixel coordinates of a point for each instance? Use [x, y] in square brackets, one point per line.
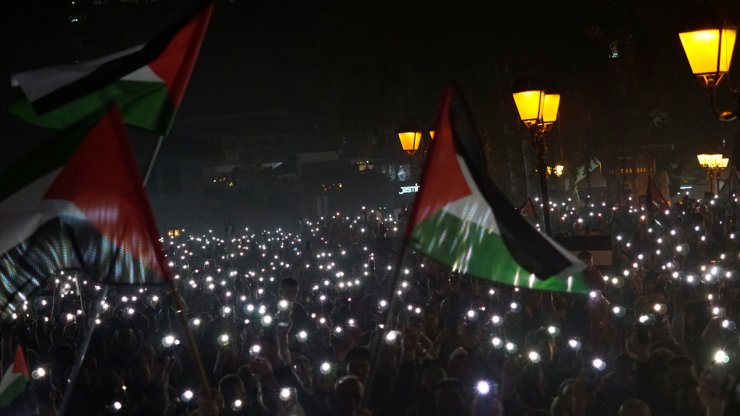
[147, 81]
[77, 203]
[655, 198]
[528, 211]
[463, 220]
[14, 381]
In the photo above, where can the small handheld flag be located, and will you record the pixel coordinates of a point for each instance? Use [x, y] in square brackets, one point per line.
[14, 380]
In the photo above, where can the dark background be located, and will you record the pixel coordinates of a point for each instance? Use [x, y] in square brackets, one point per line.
[291, 77]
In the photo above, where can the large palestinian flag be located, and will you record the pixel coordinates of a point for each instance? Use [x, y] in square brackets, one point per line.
[462, 219]
[147, 81]
[77, 203]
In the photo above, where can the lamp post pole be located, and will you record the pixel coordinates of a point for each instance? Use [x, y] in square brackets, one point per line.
[539, 144]
[538, 111]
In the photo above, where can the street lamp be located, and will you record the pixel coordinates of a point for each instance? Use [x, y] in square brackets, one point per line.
[708, 42]
[538, 110]
[712, 163]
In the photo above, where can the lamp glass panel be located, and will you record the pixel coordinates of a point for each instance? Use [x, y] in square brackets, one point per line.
[709, 160]
[529, 104]
[701, 48]
[409, 140]
[723, 163]
[431, 134]
[550, 111]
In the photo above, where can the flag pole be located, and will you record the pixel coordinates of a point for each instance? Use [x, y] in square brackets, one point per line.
[153, 159]
[200, 372]
[375, 352]
[81, 356]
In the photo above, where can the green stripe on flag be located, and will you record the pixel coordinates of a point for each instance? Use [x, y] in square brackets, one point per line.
[472, 249]
[145, 105]
[13, 388]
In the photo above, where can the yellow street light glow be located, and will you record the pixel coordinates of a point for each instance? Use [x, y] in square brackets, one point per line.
[550, 109]
[530, 105]
[709, 52]
[410, 141]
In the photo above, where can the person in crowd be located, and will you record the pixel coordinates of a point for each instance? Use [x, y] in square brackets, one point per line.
[308, 324]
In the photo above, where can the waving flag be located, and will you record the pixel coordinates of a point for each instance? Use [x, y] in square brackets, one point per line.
[147, 81]
[77, 202]
[655, 198]
[14, 380]
[462, 219]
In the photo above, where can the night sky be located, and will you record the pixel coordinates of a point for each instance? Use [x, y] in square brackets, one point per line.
[344, 75]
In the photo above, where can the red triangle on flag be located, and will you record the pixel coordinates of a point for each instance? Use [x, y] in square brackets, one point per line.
[527, 210]
[442, 179]
[177, 60]
[654, 196]
[102, 181]
[19, 364]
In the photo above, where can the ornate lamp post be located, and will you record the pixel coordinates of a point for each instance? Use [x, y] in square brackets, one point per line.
[708, 42]
[712, 163]
[538, 110]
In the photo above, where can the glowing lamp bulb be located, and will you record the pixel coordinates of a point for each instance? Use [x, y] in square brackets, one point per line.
[483, 387]
[534, 356]
[325, 368]
[598, 364]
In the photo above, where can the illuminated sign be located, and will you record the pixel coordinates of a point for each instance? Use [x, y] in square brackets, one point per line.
[409, 189]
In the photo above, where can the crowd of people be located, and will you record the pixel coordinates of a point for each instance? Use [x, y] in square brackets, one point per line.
[296, 324]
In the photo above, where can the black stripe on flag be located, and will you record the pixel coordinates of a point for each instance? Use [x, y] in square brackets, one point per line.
[115, 69]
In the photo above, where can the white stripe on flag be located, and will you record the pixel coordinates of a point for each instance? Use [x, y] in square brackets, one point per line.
[37, 83]
[472, 208]
[26, 210]
[143, 74]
